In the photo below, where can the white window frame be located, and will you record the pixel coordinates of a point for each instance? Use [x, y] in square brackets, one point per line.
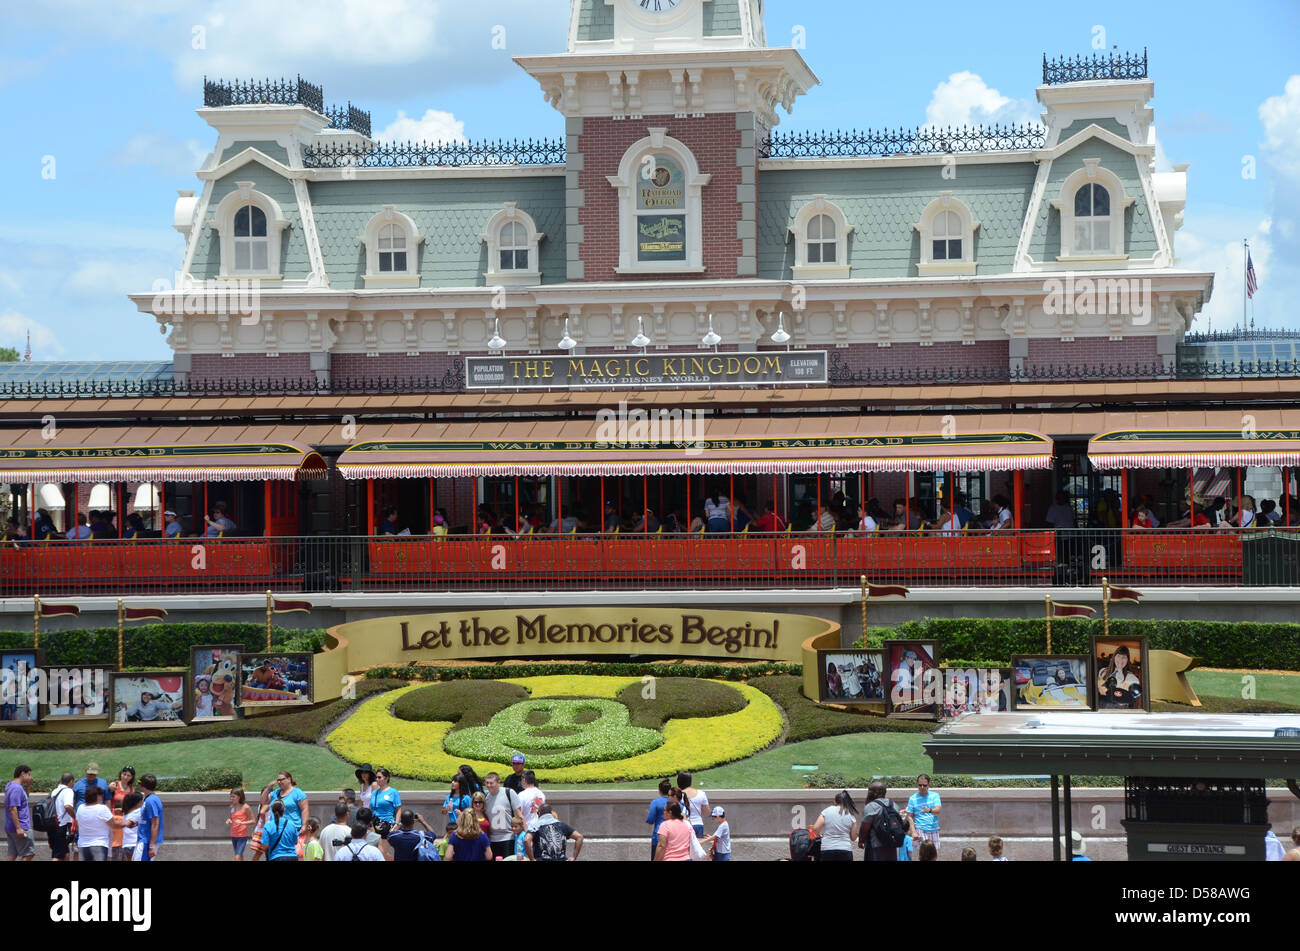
[1093, 174]
[840, 268]
[223, 220]
[625, 182]
[389, 215]
[927, 266]
[511, 214]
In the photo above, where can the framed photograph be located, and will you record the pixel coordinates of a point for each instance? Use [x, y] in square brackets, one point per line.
[213, 690]
[914, 688]
[78, 693]
[20, 698]
[1050, 681]
[852, 676]
[275, 680]
[1119, 665]
[148, 699]
[976, 690]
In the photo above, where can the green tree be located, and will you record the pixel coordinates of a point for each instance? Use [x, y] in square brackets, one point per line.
[8, 354]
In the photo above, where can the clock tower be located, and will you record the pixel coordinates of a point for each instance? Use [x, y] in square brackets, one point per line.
[666, 105]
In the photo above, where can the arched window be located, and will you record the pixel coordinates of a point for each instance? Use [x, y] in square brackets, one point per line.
[252, 246]
[392, 243]
[821, 234]
[1092, 219]
[947, 229]
[660, 207]
[1091, 205]
[513, 247]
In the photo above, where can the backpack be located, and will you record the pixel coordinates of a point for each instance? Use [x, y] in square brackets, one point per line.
[426, 851]
[45, 817]
[887, 825]
[805, 846]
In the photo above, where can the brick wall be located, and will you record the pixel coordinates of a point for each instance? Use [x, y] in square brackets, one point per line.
[865, 358]
[389, 366]
[712, 139]
[206, 367]
[1138, 354]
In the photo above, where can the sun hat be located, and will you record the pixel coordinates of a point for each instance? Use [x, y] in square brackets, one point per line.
[364, 768]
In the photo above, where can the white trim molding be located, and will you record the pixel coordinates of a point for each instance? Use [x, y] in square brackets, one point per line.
[658, 141]
[495, 274]
[927, 266]
[1092, 174]
[837, 269]
[223, 221]
[410, 276]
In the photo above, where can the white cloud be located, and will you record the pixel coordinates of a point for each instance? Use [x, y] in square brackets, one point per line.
[161, 152]
[433, 126]
[1280, 117]
[14, 328]
[964, 99]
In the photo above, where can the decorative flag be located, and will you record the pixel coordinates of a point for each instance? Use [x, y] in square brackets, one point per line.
[1125, 594]
[1252, 284]
[1072, 610]
[887, 591]
[284, 607]
[57, 610]
[144, 614]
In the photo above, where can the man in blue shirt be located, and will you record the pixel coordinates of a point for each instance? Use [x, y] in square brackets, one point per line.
[91, 779]
[923, 806]
[295, 801]
[964, 515]
[151, 819]
[656, 815]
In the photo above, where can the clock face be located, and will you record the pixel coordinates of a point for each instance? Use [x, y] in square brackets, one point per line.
[658, 6]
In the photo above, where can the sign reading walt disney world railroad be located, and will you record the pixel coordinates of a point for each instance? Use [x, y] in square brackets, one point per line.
[647, 369]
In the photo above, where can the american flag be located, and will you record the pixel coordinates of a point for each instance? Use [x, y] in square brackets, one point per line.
[1252, 285]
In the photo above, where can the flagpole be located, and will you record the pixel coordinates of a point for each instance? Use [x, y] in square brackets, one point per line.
[864, 610]
[1105, 606]
[268, 621]
[119, 633]
[1245, 280]
[1049, 622]
[36, 621]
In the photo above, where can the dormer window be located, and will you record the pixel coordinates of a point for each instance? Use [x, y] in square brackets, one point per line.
[251, 227]
[1091, 205]
[947, 229]
[660, 207]
[513, 247]
[392, 243]
[821, 234]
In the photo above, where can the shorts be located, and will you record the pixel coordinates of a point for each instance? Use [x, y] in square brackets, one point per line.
[836, 855]
[21, 848]
[722, 856]
[699, 831]
[932, 836]
[94, 853]
[239, 845]
[125, 854]
[286, 858]
[59, 843]
[137, 854]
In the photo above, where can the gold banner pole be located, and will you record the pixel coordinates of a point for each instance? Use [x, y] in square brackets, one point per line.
[1049, 623]
[268, 621]
[864, 610]
[36, 621]
[1105, 606]
[119, 633]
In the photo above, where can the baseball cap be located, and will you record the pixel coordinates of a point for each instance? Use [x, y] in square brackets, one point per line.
[517, 758]
[170, 512]
[718, 812]
[92, 769]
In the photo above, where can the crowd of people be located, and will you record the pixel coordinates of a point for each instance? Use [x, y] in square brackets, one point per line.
[488, 819]
[101, 525]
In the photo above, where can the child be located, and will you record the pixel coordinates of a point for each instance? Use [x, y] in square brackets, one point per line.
[132, 806]
[519, 829]
[721, 838]
[263, 810]
[441, 844]
[202, 696]
[311, 849]
[995, 848]
[909, 839]
[241, 814]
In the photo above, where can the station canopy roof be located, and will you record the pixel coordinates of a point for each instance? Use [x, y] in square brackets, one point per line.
[1264, 437]
[152, 453]
[713, 446]
[1202, 745]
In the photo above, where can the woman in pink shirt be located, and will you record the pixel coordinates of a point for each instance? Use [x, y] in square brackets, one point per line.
[675, 835]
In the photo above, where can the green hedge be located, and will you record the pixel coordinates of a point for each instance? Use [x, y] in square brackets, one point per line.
[203, 780]
[808, 721]
[596, 668]
[462, 702]
[993, 641]
[679, 697]
[152, 646]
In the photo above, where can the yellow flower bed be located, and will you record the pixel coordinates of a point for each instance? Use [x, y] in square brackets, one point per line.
[372, 734]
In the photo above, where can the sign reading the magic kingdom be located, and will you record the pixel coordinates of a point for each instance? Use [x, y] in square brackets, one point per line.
[761, 368]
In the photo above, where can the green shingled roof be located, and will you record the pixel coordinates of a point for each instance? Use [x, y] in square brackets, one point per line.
[722, 18]
[595, 21]
[294, 262]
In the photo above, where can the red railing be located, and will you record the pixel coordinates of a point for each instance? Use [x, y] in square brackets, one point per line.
[648, 562]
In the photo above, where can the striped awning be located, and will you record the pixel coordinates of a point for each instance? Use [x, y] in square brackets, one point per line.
[673, 446]
[1195, 448]
[149, 454]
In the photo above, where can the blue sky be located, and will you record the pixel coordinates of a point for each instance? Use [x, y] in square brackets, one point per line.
[108, 93]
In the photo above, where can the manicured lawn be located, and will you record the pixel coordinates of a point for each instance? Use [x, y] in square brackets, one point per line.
[854, 754]
[1277, 688]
